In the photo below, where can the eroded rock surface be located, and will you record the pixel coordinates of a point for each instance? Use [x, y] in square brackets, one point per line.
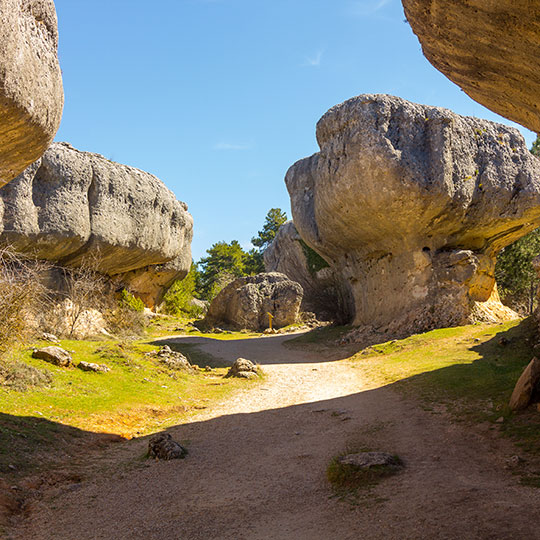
[54, 355]
[490, 49]
[411, 204]
[243, 369]
[247, 301]
[72, 206]
[31, 93]
[323, 290]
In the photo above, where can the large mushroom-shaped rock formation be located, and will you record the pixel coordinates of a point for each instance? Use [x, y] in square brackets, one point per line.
[411, 204]
[246, 302]
[71, 207]
[490, 49]
[323, 291]
[31, 94]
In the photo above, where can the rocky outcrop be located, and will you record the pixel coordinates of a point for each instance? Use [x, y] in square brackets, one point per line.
[323, 290]
[71, 206]
[31, 94]
[489, 49]
[411, 204]
[247, 301]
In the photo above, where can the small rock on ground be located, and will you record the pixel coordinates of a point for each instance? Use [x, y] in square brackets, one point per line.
[90, 366]
[162, 446]
[243, 368]
[366, 460]
[54, 355]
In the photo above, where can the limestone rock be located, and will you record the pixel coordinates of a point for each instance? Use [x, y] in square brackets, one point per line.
[172, 359]
[489, 49]
[247, 301]
[54, 355]
[368, 460]
[528, 383]
[162, 446]
[323, 288]
[90, 366]
[31, 94]
[70, 206]
[243, 369]
[411, 204]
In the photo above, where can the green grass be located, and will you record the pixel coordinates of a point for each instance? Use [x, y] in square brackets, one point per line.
[324, 336]
[466, 370]
[138, 396]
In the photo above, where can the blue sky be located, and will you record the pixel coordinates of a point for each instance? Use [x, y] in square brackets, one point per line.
[219, 97]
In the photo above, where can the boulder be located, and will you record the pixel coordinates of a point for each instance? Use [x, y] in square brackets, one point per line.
[411, 205]
[31, 94]
[323, 288]
[246, 302]
[54, 355]
[489, 49]
[71, 206]
[162, 446]
[528, 383]
[243, 369]
[172, 359]
[95, 368]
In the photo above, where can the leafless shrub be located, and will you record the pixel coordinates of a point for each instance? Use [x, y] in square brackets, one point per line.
[22, 296]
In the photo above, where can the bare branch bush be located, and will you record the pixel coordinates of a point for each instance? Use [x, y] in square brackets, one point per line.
[22, 296]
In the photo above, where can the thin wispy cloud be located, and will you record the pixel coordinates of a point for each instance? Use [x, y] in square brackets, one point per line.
[314, 61]
[362, 8]
[231, 146]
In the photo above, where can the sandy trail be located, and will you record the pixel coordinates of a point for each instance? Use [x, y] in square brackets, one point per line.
[256, 468]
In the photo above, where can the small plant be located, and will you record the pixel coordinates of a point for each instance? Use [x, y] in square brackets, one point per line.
[129, 301]
[20, 376]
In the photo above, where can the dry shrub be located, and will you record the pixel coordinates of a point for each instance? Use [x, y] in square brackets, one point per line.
[20, 376]
[22, 297]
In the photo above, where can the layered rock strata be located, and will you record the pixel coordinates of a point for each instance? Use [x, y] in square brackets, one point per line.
[31, 93]
[411, 204]
[489, 49]
[323, 288]
[247, 302]
[72, 207]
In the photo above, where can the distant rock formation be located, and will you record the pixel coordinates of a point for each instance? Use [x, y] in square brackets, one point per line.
[411, 204]
[323, 290]
[31, 93]
[489, 49]
[70, 206]
[246, 302]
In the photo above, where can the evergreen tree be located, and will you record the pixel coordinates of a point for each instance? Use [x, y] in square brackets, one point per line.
[274, 220]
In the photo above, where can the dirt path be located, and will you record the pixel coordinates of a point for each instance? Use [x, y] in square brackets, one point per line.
[256, 468]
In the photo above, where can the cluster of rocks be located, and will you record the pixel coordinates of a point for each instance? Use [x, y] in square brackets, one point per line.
[243, 369]
[171, 359]
[60, 357]
[251, 302]
[410, 205]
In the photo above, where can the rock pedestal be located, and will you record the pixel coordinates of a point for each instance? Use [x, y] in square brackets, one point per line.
[411, 204]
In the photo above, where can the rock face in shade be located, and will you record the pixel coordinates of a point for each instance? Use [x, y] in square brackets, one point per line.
[246, 302]
[70, 206]
[323, 289]
[31, 93]
[411, 204]
[490, 49]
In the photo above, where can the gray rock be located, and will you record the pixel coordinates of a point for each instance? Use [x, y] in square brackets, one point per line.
[50, 337]
[324, 293]
[243, 369]
[489, 49]
[54, 355]
[31, 94]
[70, 206]
[411, 205]
[162, 446]
[171, 359]
[246, 302]
[368, 460]
[90, 366]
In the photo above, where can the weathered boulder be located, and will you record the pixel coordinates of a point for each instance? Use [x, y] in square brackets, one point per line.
[162, 446]
[71, 206]
[247, 301]
[31, 94]
[411, 204]
[92, 367]
[489, 49]
[243, 369]
[54, 355]
[171, 359]
[528, 383]
[323, 288]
